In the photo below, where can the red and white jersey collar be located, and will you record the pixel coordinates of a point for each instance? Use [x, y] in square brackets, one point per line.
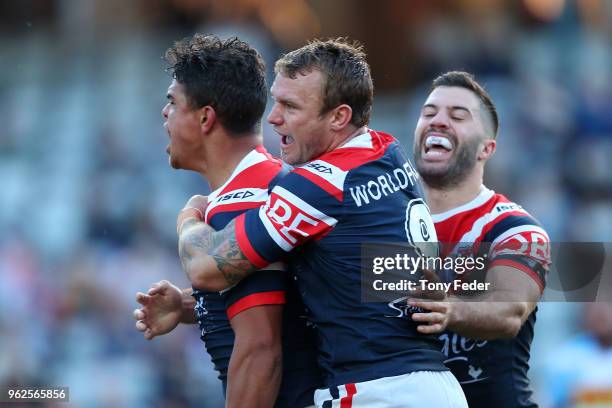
[255, 156]
[248, 183]
[363, 140]
[483, 196]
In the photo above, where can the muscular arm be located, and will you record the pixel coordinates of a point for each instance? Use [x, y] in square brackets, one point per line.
[496, 314]
[255, 367]
[212, 259]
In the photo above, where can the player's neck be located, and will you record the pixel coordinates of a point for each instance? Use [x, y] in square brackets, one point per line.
[442, 200]
[348, 135]
[225, 155]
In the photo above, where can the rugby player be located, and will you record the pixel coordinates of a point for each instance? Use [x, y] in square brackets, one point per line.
[486, 340]
[351, 185]
[215, 103]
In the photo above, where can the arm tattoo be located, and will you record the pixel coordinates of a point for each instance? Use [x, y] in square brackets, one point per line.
[198, 238]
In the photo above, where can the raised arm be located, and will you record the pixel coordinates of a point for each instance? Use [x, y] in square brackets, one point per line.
[216, 260]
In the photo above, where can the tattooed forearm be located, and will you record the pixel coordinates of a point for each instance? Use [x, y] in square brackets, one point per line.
[198, 240]
[231, 261]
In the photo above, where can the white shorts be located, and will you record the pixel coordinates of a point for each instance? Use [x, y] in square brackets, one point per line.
[438, 389]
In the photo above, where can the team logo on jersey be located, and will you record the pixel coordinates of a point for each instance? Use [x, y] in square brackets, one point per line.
[321, 168]
[420, 230]
[240, 195]
[504, 207]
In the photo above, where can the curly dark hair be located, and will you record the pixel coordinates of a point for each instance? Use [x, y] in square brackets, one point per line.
[347, 74]
[229, 75]
[466, 80]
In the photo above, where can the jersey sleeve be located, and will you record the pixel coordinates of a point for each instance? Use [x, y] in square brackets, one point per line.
[524, 246]
[266, 287]
[249, 189]
[298, 210]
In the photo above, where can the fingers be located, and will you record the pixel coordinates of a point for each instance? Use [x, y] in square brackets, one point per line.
[142, 298]
[148, 334]
[429, 305]
[430, 329]
[431, 318]
[433, 322]
[139, 314]
[141, 326]
[198, 201]
[159, 287]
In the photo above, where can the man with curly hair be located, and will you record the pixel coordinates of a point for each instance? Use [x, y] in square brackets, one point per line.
[215, 103]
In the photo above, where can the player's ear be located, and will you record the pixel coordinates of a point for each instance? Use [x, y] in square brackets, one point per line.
[207, 117]
[340, 117]
[487, 149]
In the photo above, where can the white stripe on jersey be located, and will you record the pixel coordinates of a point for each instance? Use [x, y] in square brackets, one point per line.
[280, 229]
[518, 230]
[496, 212]
[482, 197]
[304, 206]
[272, 232]
[240, 195]
[254, 157]
[362, 140]
[327, 171]
[526, 245]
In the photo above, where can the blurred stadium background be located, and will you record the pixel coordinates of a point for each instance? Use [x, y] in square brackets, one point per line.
[88, 202]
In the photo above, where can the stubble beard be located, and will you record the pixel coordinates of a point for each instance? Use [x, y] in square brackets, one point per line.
[454, 173]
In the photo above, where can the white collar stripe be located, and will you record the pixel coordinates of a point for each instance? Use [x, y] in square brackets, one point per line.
[482, 197]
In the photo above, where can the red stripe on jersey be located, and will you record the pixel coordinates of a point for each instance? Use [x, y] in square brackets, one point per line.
[257, 176]
[290, 225]
[245, 246]
[455, 227]
[350, 157]
[276, 297]
[452, 229]
[263, 151]
[347, 158]
[233, 207]
[347, 402]
[521, 267]
[321, 182]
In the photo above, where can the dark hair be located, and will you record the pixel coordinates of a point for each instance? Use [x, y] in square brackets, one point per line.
[346, 72]
[466, 80]
[228, 75]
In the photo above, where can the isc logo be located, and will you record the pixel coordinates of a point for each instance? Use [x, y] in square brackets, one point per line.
[240, 195]
[320, 168]
[507, 207]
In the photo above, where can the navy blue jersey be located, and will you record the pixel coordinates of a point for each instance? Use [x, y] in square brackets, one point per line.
[248, 187]
[322, 212]
[493, 373]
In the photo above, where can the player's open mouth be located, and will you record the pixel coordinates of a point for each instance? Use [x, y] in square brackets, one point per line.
[286, 140]
[437, 147]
